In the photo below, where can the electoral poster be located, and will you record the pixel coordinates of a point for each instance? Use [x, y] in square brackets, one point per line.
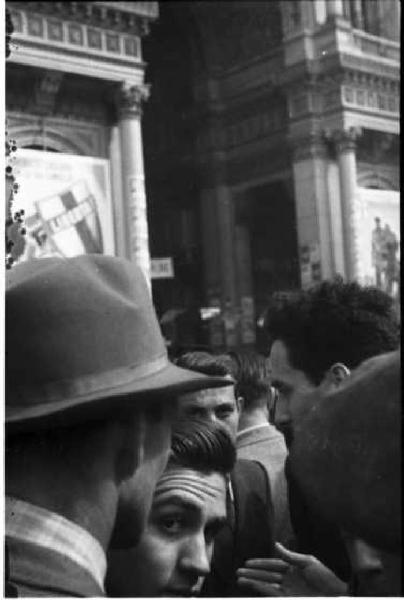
[379, 239]
[66, 202]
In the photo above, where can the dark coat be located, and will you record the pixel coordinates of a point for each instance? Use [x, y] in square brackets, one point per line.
[248, 533]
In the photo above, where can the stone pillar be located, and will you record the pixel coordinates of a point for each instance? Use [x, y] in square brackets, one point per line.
[357, 16]
[217, 216]
[345, 148]
[335, 8]
[310, 161]
[133, 181]
[245, 284]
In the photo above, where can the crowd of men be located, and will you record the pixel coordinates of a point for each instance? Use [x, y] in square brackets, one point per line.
[219, 475]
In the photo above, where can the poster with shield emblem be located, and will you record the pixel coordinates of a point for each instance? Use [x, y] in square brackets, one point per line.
[66, 202]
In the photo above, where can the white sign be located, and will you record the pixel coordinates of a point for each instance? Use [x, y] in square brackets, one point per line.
[66, 202]
[162, 268]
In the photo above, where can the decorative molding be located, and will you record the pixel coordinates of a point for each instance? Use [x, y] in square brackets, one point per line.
[370, 100]
[242, 129]
[345, 140]
[129, 100]
[61, 32]
[313, 145]
[373, 66]
[378, 177]
[46, 90]
[73, 137]
[378, 46]
[128, 17]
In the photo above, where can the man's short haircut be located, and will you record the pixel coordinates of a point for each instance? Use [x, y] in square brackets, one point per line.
[206, 363]
[334, 322]
[203, 446]
[252, 376]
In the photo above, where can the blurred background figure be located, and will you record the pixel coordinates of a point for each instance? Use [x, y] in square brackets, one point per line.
[346, 455]
[188, 510]
[249, 529]
[257, 437]
[317, 338]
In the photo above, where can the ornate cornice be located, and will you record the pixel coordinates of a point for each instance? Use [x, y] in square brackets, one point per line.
[62, 32]
[130, 17]
[129, 100]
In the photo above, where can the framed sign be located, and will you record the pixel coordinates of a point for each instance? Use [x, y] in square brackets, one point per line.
[66, 202]
[379, 238]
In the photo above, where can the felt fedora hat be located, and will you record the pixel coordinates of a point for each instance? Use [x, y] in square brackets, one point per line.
[82, 340]
[346, 452]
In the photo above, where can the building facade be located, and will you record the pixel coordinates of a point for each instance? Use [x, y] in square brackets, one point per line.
[270, 141]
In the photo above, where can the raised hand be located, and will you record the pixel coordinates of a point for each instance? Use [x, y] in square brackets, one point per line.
[292, 574]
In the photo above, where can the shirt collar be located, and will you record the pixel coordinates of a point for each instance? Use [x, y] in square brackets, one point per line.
[253, 428]
[37, 525]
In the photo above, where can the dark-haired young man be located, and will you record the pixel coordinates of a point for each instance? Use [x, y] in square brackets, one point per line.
[249, 531]
[316, 340]
[188, 510]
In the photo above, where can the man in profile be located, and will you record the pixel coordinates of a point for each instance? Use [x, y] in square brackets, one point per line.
[346, 455]
[89, 400]
[317, 339]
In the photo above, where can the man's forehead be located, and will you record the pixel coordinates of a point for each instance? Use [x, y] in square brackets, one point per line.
[202, 397]
[190, 487]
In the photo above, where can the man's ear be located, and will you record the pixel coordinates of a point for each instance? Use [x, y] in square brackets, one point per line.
[130, 446]
[336, 374]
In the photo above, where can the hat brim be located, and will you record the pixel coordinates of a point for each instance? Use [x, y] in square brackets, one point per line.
[167, 383]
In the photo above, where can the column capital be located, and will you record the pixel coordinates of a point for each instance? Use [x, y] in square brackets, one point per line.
[129, 99]
[312, 145]
[345, 139]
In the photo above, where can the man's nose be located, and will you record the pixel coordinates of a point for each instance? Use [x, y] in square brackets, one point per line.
[195, 556]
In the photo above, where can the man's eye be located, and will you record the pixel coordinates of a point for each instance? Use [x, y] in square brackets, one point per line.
[171, 524]
[224, 412]
[195, 412]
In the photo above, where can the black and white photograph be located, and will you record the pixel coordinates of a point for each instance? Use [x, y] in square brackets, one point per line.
[202, 307]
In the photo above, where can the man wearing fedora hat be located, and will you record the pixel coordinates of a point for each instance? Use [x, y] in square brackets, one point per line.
[89, 398]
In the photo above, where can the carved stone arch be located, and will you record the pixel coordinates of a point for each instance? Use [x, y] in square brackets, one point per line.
[32, 135]
[376, 180]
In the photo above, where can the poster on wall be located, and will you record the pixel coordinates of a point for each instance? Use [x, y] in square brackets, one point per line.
[379, 239]
[66, 202]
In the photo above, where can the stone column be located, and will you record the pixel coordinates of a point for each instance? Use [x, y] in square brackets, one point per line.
[217, 215]
[133, 181]
[245, 284]
[335, 8]
[310, 160]
[345, 148]
[357, 16]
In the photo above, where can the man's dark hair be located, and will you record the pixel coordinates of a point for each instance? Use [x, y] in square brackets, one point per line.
[203, 446]
[252, 376]
[206, 363]
[334, 322]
